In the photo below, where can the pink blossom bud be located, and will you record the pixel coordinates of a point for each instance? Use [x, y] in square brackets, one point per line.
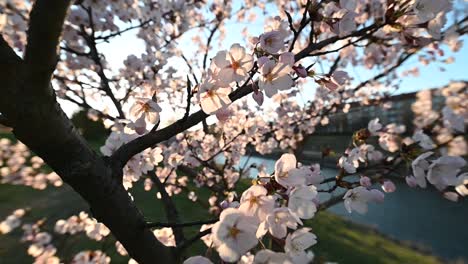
[300, 71]
[411, 181]
[223, 114]
[365, 181]
[224, 204]
[328, 84]
[452, 196]
[258, 97]
[340, 77]
[377, 196]
[140, 126]
[388, 186]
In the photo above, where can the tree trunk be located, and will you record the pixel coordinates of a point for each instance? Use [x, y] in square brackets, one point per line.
[39, 122]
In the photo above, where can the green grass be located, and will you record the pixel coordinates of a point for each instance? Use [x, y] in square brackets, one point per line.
[339, 240]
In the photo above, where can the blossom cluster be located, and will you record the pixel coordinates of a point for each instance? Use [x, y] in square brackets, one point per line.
[270, 209]
[276, 206]
[18, 166]
[82, 223]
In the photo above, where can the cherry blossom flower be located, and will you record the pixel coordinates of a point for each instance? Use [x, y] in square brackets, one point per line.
[12, 221]
[347, 24]
[165, 236]
[139, 125]
[389, 142]
[277, 24]
[356, 199]
[147, 108]
[85, 257]
[234, 64]
[255, 201]
[301, 201]
[453, 121]
[347, 164]
[374, 126]
[423, 140]
[213, 98]
[428, 9]
[266, 256]
[299, 241]
[272, 41]
[443, 171]
[365, 181]
[286, 173]
[234, 234]
[197, 260]
[435, 25]
[388, 186]
[275, 77]
[420, 165]
[313, 175]
[411, 181]
[278, 222]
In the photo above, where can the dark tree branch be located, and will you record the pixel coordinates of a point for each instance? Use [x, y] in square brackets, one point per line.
[45, 27]
[193, 239]
[95, 56]
[120, 32]
[127, 151]
[172, 214]
[73, 51]
[4, 121]
[7, 54]
[320, 45]
[304, 22]
[208, 43]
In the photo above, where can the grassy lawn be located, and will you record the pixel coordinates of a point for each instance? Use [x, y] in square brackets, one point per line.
[339, 240]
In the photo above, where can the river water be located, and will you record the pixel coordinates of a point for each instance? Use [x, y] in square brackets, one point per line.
[421, 216]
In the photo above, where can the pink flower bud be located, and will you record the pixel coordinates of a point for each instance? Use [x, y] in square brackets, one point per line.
[365, 181]
[411, 181]
[224, 204]
[388, 186]
[327, 83]
[300, 71]
[258, 97]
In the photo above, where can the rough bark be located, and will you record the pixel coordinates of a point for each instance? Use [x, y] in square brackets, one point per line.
[29, 104]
